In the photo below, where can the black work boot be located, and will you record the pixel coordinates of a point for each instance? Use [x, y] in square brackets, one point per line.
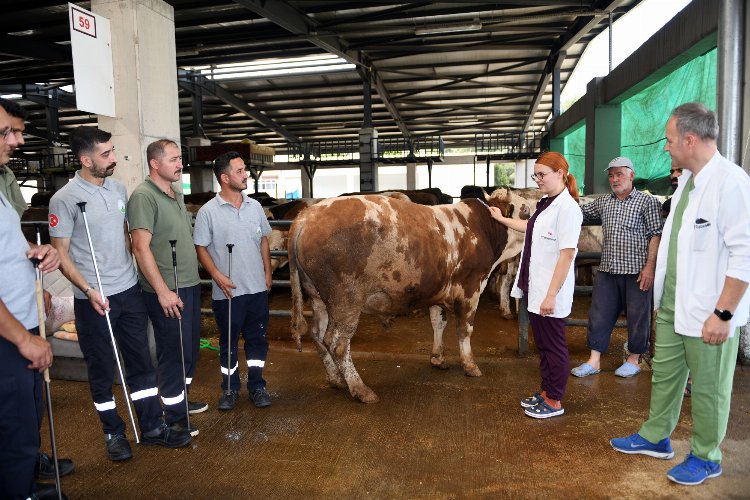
[227, 400]
[166, 436]
[45, 491]
[197, 407]
[45, 468]
[118, 447]
[261, 398]
[182, 426]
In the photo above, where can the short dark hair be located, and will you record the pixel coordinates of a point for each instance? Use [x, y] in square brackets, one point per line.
[221, 163]
[13, 109]
[84, 139]
[156, 149]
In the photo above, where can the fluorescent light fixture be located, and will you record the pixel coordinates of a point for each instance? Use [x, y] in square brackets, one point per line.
[275, 67]
[330, 126]
[434, 29]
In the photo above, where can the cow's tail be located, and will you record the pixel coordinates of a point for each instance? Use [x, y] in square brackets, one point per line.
[298, 325]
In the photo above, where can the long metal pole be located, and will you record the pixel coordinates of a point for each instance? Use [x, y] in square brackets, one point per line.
[47, 389]
[729, 77]
[115, 350]
[173, 244]
[229, 328]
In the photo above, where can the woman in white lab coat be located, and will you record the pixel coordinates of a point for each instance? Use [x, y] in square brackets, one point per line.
[546, 277]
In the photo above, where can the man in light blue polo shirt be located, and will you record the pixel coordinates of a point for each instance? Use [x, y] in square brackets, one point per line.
[106, 202]
[234, 218]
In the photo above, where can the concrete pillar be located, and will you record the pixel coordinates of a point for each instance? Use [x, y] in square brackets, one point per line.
[306, 182]
[606, 144]
[368, 153]
[411, 175]
[145, 74]
[603, 123]
[203, 180]
[524, 169]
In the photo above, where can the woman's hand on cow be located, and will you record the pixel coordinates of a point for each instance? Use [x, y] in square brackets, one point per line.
[547, 307]
[497, 214]
[225, 284]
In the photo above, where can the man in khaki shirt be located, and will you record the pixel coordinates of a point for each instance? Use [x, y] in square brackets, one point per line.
[157, 215]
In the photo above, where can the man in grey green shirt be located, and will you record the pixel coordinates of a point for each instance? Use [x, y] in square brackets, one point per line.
[157, 215]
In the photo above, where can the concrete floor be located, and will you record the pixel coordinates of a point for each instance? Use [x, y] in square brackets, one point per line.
[434, 434]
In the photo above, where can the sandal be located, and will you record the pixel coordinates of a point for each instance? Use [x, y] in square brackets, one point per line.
[543, 410]
[531, 400]
[584, 370]
[627, 370]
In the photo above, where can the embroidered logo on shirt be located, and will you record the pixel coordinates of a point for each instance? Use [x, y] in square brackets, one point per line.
[700, 223]
[53, 220]
[121, 206]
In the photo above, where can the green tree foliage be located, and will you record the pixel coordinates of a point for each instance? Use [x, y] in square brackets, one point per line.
[505, 174]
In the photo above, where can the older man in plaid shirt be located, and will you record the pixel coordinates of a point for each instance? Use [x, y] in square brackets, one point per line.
[632, 231]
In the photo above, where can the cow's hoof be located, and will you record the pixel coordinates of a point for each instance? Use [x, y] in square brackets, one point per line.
[472, 371]
[367, 396]
[439, 364]
[508, 316]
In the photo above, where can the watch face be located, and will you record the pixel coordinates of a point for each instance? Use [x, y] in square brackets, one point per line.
[723, 315]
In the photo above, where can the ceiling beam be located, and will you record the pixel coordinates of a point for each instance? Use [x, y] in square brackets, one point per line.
[189, 81]
[580, 28]
[24, 46]
[298, 23]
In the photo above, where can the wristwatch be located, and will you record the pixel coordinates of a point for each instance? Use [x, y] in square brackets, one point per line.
[724, 315]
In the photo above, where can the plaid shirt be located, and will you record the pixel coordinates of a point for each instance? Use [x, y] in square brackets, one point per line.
[628, 226]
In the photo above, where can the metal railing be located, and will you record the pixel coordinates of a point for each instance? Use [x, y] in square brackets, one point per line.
[337, 150]
[400, 148]
[510, 144]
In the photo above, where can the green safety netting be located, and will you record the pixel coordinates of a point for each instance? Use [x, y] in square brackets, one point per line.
[575, 153]
[644, 117]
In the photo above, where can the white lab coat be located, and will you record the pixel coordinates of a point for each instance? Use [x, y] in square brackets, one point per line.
[556, 228]
[714, 242]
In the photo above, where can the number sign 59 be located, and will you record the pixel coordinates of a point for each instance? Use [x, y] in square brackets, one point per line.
[84, 22]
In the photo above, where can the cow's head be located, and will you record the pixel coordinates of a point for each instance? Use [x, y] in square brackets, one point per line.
[520, 202]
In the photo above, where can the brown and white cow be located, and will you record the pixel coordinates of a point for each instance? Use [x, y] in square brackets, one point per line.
[387, 257]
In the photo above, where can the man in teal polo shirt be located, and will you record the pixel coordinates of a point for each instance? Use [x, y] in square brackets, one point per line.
[157, 215]
[700, 292]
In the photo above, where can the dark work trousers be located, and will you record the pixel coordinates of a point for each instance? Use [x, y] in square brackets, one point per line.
[167, 336]
[612, 294]
[249, 317]
[19, 432]
[549, 337]
[127, 314]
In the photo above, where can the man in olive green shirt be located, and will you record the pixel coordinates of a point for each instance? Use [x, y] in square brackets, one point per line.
[157, 215]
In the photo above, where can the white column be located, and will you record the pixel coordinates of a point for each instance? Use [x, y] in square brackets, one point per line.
[145, 73]
[411, 176]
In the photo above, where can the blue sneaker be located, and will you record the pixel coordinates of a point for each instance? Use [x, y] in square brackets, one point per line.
[636, 445]
[693, 471]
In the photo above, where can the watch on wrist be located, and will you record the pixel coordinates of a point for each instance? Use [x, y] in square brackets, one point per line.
[724, 315]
